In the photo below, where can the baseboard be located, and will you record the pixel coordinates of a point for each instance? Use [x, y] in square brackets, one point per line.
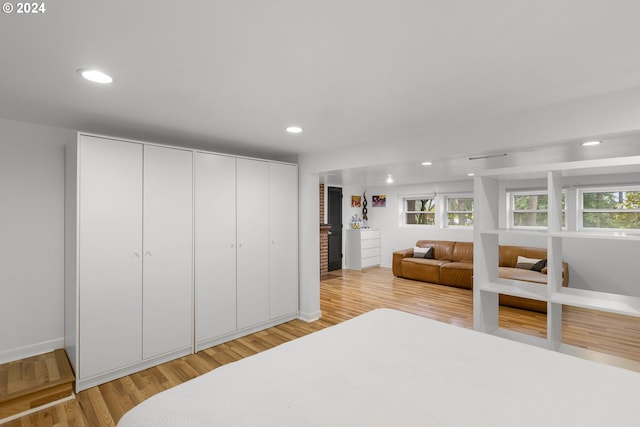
[310, 317]
[204, 344]
[85, 383]
[31, 350]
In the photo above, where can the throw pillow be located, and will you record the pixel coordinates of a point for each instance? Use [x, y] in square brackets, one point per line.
[423, 252]
[538, 266]
[526, 263]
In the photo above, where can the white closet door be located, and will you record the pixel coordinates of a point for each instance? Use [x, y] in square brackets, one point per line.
[215, 242]
[253, 242]
[110, 250]
[168, 250]
[283, 230]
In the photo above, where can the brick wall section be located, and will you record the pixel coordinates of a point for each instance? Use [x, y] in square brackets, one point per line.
[324, 251]
[324, 237]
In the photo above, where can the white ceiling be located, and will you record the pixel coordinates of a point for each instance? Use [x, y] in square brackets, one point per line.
[231, 75]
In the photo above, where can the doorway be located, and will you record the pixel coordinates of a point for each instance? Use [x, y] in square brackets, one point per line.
[334, 217]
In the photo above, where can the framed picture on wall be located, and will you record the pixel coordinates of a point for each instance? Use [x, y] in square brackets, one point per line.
[379, 201]
[356, 201]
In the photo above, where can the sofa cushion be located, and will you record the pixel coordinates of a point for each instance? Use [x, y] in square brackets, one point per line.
[419, 252]
[459, 274]
[426, 270]
[508, 255]
[462, 252]
[442, 249]
[540, 266]
[520, 274]
[528, 263]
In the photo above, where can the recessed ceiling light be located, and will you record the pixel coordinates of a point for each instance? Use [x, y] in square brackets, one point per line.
[471, 174]
[588, 143]
[294, 129]
[389, 179]
[426, 163]
[96, 76]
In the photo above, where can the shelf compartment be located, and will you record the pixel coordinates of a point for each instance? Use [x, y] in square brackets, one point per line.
[521, 337]
[603, 301]
[515, 232]
[604, 235]
[516, 288]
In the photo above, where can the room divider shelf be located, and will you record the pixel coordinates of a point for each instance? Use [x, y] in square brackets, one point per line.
[506, 232]
[516, 288]
[519, 336]
[603, 301]
[487, 234]
[604, 235]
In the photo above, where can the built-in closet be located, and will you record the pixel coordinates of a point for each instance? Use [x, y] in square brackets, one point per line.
[169, 249]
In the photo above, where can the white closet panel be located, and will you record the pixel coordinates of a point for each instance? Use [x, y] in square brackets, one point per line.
[253, 242]
[168, 250]
[215, 243]
[283, 229]
[110, 251]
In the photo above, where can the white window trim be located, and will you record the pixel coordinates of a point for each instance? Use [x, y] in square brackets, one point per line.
[404, 211]
[446, 211]
[536, 192]
[608, 189]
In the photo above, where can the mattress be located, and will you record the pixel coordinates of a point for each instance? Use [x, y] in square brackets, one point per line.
[390, 368]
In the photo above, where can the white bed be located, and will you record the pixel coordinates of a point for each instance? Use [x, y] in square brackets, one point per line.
[390, 368]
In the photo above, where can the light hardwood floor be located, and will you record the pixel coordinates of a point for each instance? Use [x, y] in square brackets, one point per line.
[344, 294]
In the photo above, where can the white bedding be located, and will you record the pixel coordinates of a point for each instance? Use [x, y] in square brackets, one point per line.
[390, 368]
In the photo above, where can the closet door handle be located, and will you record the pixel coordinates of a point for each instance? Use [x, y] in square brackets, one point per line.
[147, 253]
[136, 254]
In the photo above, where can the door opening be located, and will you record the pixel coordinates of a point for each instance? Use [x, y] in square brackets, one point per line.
[334, 218]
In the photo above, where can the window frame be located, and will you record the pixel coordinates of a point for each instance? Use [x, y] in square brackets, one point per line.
[446, 210]
[511, 194]
[580, 210]
[405, 210]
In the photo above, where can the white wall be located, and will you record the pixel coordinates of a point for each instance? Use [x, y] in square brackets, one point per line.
[31, 238]
[394, 235]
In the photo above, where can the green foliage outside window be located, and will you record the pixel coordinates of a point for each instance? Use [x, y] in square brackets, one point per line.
[421, 211]
[530, 210]
[460, 211]
[611, 209]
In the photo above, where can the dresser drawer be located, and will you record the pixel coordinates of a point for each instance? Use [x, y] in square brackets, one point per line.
[368, 253]
[366, 234]
[370, 262]
[371, 243]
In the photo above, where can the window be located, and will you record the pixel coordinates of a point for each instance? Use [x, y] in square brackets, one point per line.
[420, 210]
[610, 208]
[460, 211]
[530, 209]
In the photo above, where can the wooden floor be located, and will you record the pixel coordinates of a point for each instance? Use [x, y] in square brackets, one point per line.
[344, 294]
[33, 382]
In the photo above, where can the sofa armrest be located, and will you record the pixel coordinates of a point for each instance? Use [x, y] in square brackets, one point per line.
[565, 274]
[397, 257]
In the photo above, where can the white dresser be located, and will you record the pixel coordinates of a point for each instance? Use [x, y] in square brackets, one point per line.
[363, 248]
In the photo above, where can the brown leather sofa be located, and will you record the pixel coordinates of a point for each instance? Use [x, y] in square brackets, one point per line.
[452, 265]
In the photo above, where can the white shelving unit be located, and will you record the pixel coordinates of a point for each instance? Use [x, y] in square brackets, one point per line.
[487, 285]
